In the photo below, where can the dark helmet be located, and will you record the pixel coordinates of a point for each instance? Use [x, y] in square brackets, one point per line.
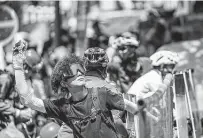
[95, 57]
[50, 130]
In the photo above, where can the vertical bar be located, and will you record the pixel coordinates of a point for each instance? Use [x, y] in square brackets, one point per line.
[192, 104]
[82, 9]
[57, 24]
[180, 103]
[2, 60]
[168, 131]
[141, 122]
[130, 117]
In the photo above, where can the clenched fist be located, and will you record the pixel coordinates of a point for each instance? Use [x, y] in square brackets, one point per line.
[19, 54]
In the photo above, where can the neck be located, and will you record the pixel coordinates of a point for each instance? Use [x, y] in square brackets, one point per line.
[78, 93]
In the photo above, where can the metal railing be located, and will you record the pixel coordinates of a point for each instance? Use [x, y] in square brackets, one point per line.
[181, 98]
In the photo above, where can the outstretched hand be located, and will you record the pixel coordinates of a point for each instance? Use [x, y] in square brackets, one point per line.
[19, 54]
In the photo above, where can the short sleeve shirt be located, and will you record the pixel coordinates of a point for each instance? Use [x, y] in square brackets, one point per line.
[146, 85]
[72, 111]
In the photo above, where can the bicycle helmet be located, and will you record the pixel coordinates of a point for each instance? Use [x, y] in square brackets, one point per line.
[164, 58]
[95, 57]
[121, 43]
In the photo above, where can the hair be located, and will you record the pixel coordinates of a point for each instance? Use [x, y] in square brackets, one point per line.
[63, 66]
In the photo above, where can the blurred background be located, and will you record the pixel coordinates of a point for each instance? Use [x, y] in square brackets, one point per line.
[54, 29]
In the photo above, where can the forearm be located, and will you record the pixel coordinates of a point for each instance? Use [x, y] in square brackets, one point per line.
[26, 94]
[21, 83]
[160, 92]
[131, 107]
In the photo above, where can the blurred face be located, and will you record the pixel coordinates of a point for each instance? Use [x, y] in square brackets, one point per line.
[167, 69]
[126, 52]
[75, 77]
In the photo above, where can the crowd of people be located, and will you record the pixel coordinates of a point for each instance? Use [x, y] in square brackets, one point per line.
[52, 93]
[69, 96]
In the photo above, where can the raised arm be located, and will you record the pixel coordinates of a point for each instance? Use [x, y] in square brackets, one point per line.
[26, 94]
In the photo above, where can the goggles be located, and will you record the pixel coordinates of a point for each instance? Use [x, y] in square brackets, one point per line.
[75, 69]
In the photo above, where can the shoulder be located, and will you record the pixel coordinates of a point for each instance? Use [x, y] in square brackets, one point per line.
[111, 86]
[141, 83]
[58, 102]
[104, 91]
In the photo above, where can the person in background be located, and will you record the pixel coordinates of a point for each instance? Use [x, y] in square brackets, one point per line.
[125, 66]
[10, 115]
[152, 86]
[163, 63]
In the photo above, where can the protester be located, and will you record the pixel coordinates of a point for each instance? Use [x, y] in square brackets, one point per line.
[9, 114]
[125, 66]
[77, 111]
[163, 63]
[152, 86]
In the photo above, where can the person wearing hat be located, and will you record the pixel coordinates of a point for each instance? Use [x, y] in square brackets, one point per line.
[126, 66]
[152, 86]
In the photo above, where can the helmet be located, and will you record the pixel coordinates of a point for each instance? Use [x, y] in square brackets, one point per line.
[50, 130]
[125, 47]
[123, 42]
[32, 63]
[32, 58]
[164, 58]
[95, 57]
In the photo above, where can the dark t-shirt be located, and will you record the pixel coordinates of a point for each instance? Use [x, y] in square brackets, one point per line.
[68, 110]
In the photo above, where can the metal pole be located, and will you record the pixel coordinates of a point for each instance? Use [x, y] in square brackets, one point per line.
[82, 9]
[192, 104]
[57, 24]
[180, 104]
[140, 120]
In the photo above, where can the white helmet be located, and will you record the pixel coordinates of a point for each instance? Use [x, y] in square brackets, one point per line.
[164, 57]
[123, 41]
